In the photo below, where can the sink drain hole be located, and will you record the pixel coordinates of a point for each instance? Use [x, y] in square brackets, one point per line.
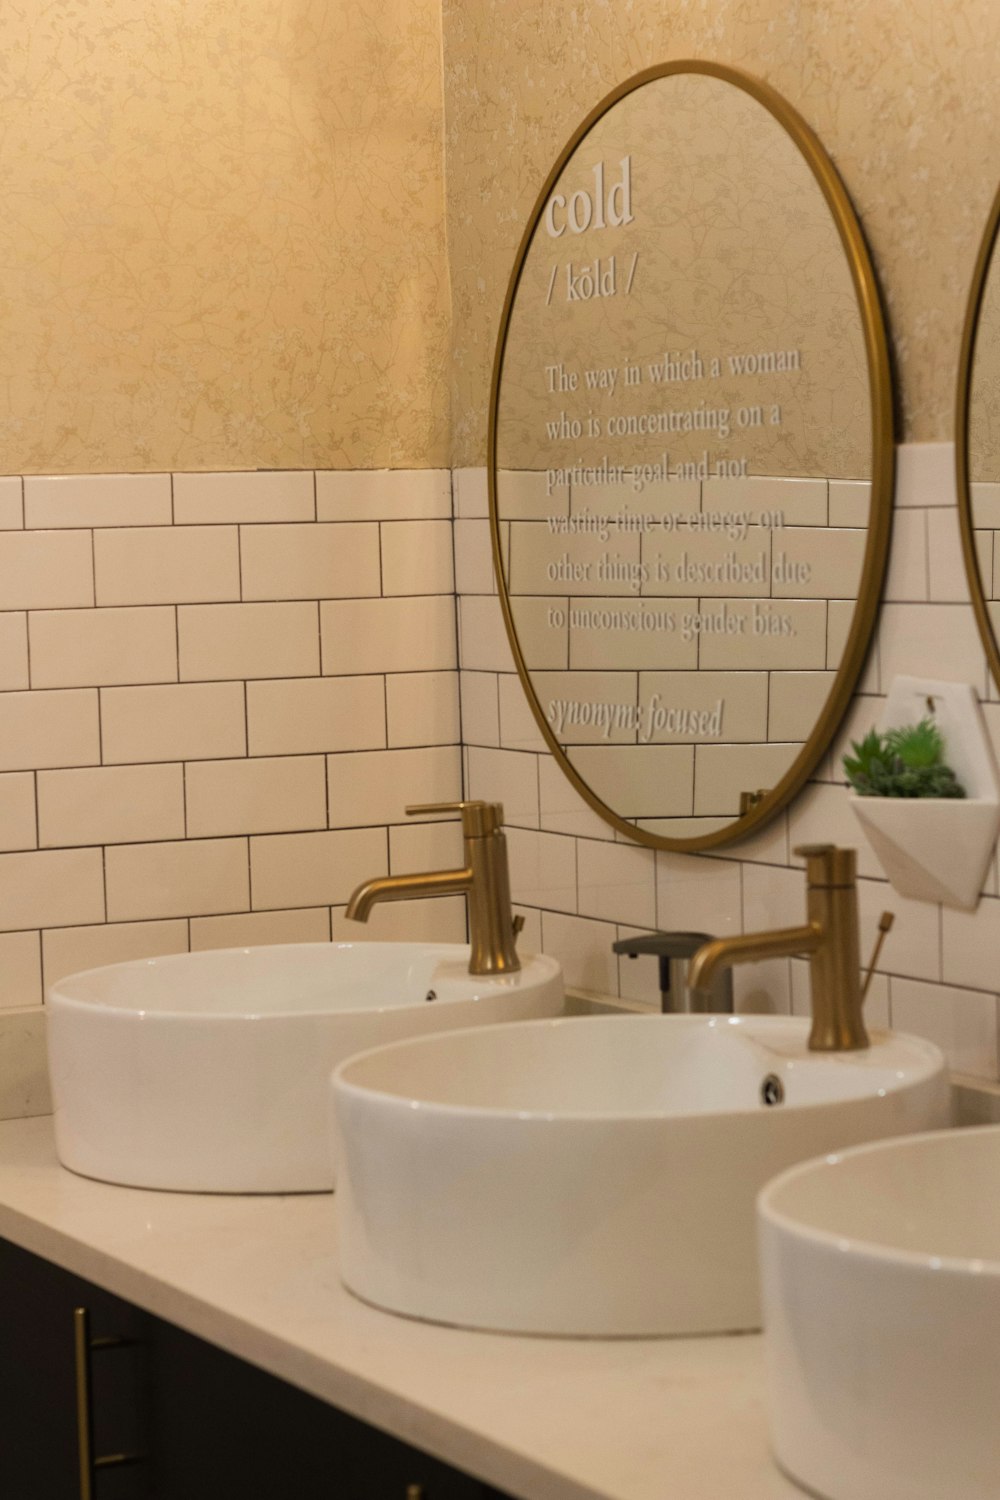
[772, 1090]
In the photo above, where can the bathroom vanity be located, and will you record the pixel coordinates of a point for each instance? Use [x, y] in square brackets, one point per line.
[257, 1374]
[168, 1415]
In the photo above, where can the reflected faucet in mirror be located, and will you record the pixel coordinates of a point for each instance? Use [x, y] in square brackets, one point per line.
[829, 938]
[484, 879]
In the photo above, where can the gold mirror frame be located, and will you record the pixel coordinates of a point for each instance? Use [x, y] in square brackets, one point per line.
[963, 406]
[882, 457]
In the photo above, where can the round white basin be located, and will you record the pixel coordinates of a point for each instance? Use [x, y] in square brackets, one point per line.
[595, 1176]
[881, 1287]
[209, 1072]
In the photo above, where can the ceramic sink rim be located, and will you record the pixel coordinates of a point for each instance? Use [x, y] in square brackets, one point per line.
[923, 1063]
[452, 954]
[857, 1247]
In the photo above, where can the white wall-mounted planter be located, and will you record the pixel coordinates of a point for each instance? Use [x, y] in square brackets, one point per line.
[938, 849]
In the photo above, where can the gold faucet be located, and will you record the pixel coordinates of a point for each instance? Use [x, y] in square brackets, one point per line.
[484, 879]
[830, 939]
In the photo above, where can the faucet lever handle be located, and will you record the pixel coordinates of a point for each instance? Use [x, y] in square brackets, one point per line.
[478, 818]
[885, 922]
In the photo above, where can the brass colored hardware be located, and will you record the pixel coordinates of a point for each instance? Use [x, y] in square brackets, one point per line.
[83, 1347]
[829, 938]
[414, 1492]
[484, 880]
[827, 866]
[750, 800]
[885, 922]
[84, 1416]
[478, 818]
[980, 578]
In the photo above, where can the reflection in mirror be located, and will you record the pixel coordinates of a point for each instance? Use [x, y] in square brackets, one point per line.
[978, 441]
[690, 455]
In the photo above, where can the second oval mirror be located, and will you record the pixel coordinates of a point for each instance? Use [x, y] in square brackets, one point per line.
[978, 440]
[690, 455]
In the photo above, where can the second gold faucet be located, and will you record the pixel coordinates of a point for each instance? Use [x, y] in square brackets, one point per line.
[829, 938]
[484, 879]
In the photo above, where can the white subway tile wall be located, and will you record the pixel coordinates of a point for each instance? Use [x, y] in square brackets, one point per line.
[218, 693]
[939, 972]
[219, 690]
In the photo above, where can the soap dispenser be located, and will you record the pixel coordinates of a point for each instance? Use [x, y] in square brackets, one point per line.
[673, 950]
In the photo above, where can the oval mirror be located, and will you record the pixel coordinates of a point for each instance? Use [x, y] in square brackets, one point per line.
[690, 455]
[977, 448]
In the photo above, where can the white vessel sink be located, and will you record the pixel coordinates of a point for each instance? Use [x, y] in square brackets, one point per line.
[209, 1072]
[881, 1288]
[595, 1176]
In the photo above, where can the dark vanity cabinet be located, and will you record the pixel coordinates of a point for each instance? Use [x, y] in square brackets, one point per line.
[168, 1416]
[40, 1423]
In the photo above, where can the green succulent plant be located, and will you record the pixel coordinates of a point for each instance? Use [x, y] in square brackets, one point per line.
[904, 762]
[917, 745]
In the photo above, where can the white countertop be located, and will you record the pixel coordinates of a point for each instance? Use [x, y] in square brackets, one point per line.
[544, 1419]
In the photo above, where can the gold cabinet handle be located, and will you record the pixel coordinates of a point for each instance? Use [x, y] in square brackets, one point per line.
[84, 1414]
[414, 1492]
[83, 1347]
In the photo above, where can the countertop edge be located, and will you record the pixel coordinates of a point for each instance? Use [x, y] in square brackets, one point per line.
[401, 1416]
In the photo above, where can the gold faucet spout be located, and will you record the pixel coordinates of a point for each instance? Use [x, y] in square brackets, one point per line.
[830, 939]
[407, 888]
[484, 879]
[750, 947]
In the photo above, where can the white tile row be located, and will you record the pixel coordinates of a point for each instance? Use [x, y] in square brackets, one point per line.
[128, 645]
[212, 798]
[223, 720]
[134, 842]
[42, 502]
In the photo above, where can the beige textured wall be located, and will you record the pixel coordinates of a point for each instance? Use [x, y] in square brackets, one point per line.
[222, 239]
[904, 95]
[223, 242]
